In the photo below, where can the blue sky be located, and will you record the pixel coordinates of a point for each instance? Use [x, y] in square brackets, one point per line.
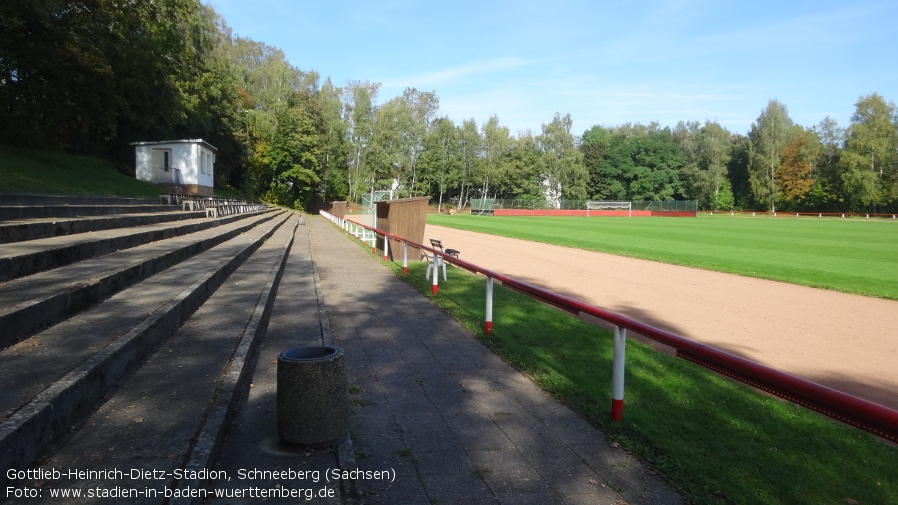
[605, 63]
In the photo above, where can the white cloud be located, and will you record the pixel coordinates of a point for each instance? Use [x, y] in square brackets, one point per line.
[451, 74]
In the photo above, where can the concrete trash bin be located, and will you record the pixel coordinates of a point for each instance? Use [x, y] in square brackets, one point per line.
[312, 398]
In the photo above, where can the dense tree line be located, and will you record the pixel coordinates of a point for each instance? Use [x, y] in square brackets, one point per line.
[92, 76]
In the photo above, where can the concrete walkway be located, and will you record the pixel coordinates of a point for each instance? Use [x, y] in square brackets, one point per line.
[444, 419]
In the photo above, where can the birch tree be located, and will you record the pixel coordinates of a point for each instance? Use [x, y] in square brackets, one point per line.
[714, 154]
[423, 107]
[769, 135]
[496, 144]
[441, 156]
[870, 173]
[565, 175]
[470, 146]
[359, 99]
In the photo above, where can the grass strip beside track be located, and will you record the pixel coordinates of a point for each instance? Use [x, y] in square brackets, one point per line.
[718, 441]
[849, 255]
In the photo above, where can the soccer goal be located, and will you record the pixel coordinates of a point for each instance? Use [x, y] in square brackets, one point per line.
[598, 205]
[483, 206]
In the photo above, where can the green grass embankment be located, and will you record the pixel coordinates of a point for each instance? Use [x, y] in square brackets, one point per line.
[58, 173]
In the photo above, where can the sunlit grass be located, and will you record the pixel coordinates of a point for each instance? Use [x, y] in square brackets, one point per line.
[849, 255]
[716, 440]
[59, 173]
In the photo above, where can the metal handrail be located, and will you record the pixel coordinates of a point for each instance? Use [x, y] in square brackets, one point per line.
[858, 412]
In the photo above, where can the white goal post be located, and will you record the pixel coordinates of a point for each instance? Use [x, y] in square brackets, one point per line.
[602, 205]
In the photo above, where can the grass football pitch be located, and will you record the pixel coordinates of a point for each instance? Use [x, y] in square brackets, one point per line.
[850, 255]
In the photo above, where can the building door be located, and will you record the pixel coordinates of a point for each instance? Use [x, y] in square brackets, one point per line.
[162, 166]
[162, 159]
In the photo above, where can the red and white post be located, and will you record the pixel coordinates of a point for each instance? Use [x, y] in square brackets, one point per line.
[617, 374]
[436, 273]
[386, 249]
[488, 324]
[405, 258]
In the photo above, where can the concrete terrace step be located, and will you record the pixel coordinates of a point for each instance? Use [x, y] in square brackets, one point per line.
[172, 411]
[55, 378]
[34, 229]
[33, 211]
[35, 302]
[32, 199]
[24, 258]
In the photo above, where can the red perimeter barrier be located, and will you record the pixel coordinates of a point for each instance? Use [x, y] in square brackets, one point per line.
[866, 415]
[592, 213]
[757, 213]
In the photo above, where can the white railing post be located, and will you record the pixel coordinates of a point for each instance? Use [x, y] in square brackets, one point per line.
[617, 374]
[404, 258]
[386, 249]
[436, 273]
[488, 323]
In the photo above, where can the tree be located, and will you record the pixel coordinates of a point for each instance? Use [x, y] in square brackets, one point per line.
[388, 149]
[441, 157]
[872, 134]
[826, 192]
[714, 144]
[687, 135]
[333, 145]
[294, 154]
[870, 173]
[359, 98]
[523, 164]
[657, 162]
[470, 145]
[794, 173]
[769, 135]
[400, 127]
[637, 162]
[564, 174]
[594, 146]
[424, 106]
[92, 76]
[738, 173]
[496, 143]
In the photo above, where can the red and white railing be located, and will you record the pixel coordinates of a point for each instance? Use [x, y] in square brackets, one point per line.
[843, 215]
[872, 417]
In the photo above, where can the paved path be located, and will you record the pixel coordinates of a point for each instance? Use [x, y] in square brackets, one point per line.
[453, 422]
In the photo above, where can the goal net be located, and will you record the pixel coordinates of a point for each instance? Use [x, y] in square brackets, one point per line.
[594, 205]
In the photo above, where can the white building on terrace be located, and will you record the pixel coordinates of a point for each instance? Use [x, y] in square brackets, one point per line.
[181, 166]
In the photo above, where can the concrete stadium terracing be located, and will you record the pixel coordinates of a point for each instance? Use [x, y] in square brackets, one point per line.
[138, 346]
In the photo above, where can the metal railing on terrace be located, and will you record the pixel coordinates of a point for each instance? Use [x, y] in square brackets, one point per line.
[866, 415]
